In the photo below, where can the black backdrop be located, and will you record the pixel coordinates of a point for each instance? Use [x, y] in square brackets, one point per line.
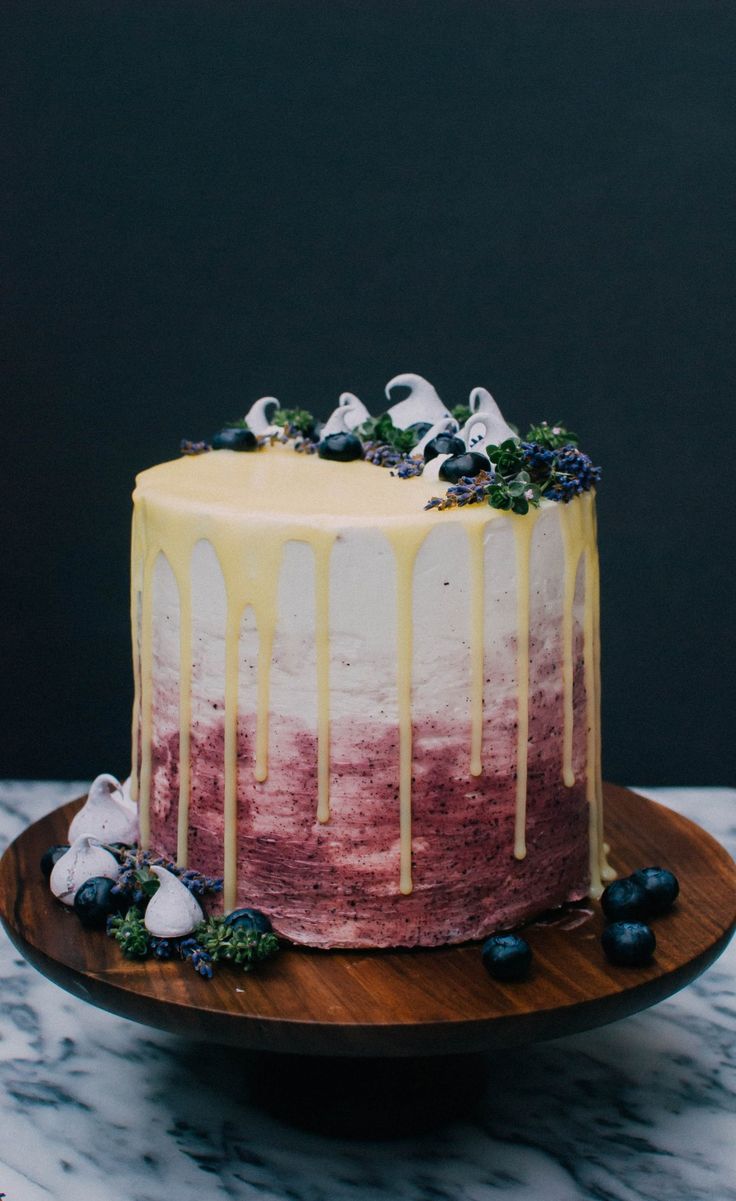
[205, 202]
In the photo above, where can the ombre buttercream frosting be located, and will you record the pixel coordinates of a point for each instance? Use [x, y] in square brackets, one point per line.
[379, 723]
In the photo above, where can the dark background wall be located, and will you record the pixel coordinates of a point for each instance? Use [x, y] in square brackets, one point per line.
[204, 202]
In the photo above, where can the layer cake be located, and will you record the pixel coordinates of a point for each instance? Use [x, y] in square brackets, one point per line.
[379, 722]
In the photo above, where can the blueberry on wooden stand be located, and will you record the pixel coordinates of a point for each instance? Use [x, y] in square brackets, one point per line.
[470, 463]
[629, 944]
[443, 444]
[506, 956]
[235, 438]
[249, 919]
[49, 857]
[342, 447]
[624, 900]
[660, 886]
[95, 901]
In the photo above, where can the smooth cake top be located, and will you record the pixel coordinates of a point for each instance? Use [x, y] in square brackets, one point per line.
[416, 455]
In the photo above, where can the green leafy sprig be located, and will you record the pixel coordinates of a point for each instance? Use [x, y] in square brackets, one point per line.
[212, 942]
[551, 437]
[244, 948]
[382, 429]
[518, 495]
[295, 421]
[508, 458]
[130, 934]
[512, 488]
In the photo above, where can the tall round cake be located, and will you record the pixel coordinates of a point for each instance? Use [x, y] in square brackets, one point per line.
[378, 720]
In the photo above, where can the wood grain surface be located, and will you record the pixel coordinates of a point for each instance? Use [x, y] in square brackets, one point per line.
[395, 1003]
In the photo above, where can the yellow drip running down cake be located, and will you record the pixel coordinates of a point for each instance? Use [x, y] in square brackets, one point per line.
[367, 669]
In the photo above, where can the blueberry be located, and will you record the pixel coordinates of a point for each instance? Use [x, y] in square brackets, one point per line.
[660, 886]
[628, 944]
[470, 463]
[249, 919]
[624, 899]
[235, 439]
[342, 447]
[95, 901]
[506, 956]
[49, 858]
[444, 444]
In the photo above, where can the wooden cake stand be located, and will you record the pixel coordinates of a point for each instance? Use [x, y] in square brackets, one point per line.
[393, 1003]
[402, 1003]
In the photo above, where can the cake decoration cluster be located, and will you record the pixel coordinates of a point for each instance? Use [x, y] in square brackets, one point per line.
[148, 904]
[471, 448]
[521, 473]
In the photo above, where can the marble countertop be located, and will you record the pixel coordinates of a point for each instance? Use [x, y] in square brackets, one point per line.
[97, 1108]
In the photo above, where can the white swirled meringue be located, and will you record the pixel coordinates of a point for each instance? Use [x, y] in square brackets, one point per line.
[432, 468]
[107, 813]
[477, 432]
[342, 419]
[84, 859]
[172, 911]
[258, 417]
[357, 414]
[481, 403]
[422, 403]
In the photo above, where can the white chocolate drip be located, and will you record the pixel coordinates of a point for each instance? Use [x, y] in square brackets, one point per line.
[250, 551]
[523, 530]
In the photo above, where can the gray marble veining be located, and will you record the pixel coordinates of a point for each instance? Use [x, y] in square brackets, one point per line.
[96, 1108]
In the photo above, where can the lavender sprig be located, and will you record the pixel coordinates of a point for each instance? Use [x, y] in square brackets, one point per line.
[201, 960]
[137, 883]
[470, 490]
